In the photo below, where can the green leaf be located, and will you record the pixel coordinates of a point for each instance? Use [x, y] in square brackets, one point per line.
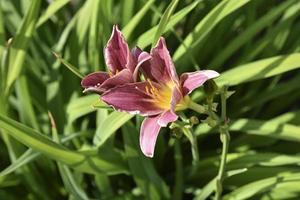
[281, 89]
[142, 168]
[259, 69]
[273, 129]
[146, 38]
[265, 128]
[20, 44]
[203, 28]
[68, 179]
[25, 158]
[9, 181]
[127, 30]
[262, 186]
[84, 20]
[30, 155]
[108, 126]
[252, 30]
[51, 10]
[70, 183]
[69, 66]
[81, 106]
[26, 110]
[93, 39]
[127, 11]
[289, 117]
[164, 21]
[209, 188]
[2, 35]
[87, 161]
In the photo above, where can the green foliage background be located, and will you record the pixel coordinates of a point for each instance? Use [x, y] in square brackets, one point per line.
[94, 152]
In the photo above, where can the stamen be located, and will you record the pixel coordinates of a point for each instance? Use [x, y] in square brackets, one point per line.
[147, 89]
[137, 88]
[153, 91]
[110, 73]
[149, 81]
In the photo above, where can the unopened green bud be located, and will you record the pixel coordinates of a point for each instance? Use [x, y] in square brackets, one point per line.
[210, 87]
[210, 121]
[194, 120]
[176, 132]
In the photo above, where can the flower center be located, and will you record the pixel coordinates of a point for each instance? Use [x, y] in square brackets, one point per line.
[161, 96]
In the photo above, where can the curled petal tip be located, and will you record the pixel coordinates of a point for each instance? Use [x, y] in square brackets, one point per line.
[211, 73]
[92, 89]
[192, 80]
[149, 155]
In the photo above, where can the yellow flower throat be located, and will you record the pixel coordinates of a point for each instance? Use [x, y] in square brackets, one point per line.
[161, 96]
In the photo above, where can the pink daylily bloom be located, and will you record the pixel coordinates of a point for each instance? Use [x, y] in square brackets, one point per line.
[159, 96]
[122, 64]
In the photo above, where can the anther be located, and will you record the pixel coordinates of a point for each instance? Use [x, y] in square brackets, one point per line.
[147, 89]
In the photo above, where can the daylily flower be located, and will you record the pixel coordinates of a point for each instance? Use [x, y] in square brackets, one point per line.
[121, 62]
[159, 96]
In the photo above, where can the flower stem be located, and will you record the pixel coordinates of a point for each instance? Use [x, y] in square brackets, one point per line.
[191, 137]
[196, 107]
[194, 144]
[178, 188]
[225, 138]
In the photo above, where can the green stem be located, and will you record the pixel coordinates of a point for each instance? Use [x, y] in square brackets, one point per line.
[195, 151]
[225, 141]
[196, 107]
[201, 110]
[225, 138]
[178, 188]
[194, 144]
[191, 137]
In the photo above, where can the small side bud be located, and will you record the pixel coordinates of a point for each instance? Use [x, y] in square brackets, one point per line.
[210, 87]
[176, 132]
[194, 120]
[210, 122]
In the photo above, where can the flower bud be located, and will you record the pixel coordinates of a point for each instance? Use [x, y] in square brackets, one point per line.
[176, 132]
[210, 87]
[194, 120]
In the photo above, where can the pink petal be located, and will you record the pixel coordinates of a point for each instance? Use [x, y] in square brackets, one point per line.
[136, 51]
[124, 76]
[92, 81]
[160, 68]
[117, 53]
[176, 98]
[142, 58]
[167, 117]
[148, 135]
[132, 98]
[193, 80]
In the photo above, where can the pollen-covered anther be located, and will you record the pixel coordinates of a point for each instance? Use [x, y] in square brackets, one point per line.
[147, 90]
[110, 73]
